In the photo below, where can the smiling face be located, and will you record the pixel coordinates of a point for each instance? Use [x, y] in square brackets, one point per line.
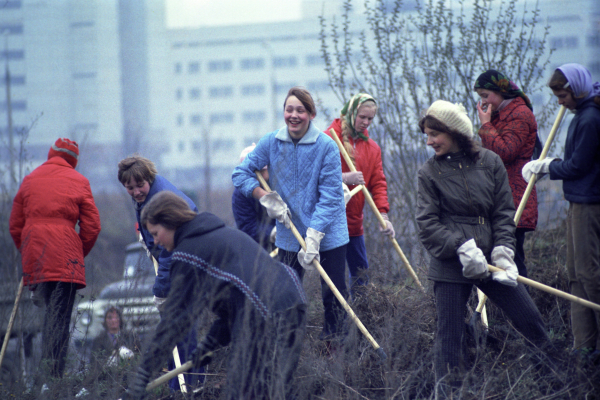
[162, 236]
[490, 98]
[565, 98]
[364, 116]
[137, 190]
[296, 117]
[440, 142]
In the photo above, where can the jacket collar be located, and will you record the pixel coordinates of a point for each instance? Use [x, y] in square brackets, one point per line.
[309, 137]
[506, 111]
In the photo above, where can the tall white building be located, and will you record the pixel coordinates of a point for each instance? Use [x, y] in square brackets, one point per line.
[109, 74]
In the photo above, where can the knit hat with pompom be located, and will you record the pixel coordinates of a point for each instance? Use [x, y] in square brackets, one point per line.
[67, 149]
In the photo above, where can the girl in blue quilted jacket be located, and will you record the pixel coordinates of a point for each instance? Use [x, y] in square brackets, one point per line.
[305, 175]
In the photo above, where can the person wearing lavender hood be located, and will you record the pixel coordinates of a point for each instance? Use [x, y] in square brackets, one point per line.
[579, 170]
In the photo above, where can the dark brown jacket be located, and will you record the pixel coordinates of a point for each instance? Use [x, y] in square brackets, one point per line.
[459, 199]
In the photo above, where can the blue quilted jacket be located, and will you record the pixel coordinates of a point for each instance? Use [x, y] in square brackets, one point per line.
[162, 283]
[308, 177]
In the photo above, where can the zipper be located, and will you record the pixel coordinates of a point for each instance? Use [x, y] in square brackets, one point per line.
[468, 193]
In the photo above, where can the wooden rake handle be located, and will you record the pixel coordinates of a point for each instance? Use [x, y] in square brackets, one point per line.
[11, 321]
[376, 210]
[329, 282]
[551, 290]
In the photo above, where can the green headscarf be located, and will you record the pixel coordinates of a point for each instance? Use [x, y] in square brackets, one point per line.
[350, 111]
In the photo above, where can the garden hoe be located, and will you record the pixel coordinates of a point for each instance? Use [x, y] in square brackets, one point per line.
[376, 211]
[331, 285]
[480, 310]
[11, 321]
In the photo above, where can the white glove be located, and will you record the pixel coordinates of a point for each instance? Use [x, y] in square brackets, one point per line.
[158, 302]
[538, 167]
[353, 178]
[273, 234]
[276, 208]
[313, 241]
[473, 261]
[347, 195]
[125, 353]
[389, 230]
[503, 257]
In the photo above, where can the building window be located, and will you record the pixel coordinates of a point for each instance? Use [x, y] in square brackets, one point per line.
[179, 94]
[221, 118]
[16, 105]
[571, 42]
[284, 87]
[181, 146]
[221, 91]
[18, 80]
[314, 60]
[193, 67]
[177, 68]
[13, 54]
[222, 144]
[254, 116]
[84, 75]
[253, 90]
[194, 93]
[195, 119]
[179, 119]
[12, 29]
[252, 63]
[317, 86]
[285, 62]
[196, 145]
[220, 65]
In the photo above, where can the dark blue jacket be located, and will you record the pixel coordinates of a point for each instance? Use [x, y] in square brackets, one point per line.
[162, 284]
[580, 169]
[251, 218]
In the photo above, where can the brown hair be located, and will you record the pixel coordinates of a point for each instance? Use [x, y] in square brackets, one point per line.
[305, 98]
[167, 209]
[466, 144]
[558, 80]
[119, 314]
[136, 167]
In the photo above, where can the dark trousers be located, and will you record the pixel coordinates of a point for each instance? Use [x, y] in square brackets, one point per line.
[59, 298]
[451, 300]
[356, 256]
[185, 348]
[334, 263]
[264, 354]
[520, 252]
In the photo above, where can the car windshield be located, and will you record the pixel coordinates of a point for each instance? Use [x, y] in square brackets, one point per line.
[137, 263]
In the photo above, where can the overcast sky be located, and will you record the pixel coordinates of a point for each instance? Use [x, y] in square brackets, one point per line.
[193, 13]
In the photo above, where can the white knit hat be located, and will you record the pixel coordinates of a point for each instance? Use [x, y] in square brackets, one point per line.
[453, 115]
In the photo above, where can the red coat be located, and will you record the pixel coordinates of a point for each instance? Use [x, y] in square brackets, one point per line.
[511, 134]
[367, 159]
[48, 205]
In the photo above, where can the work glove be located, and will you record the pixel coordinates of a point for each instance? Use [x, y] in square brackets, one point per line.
[473, 261]
[347, 195]
[137, 387]
[538, 167]
[503, 257]
[273, 234]
[276, 208]
[353, 178]
[389, 230]
[313, 241]
[158, 302]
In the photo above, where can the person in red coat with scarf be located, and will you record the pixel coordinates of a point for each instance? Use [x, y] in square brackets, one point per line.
[509, 129]
[351, 128]
[51, 201]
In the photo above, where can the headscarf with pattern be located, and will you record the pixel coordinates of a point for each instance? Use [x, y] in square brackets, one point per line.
[498, 82]
[350, 111]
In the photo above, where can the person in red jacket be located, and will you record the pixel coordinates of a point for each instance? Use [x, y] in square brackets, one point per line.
[51, 201]
[351, 128]
[509, 129]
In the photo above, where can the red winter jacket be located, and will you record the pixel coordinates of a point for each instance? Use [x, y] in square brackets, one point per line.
[48, 205]
[511, 134]
[367, 159]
